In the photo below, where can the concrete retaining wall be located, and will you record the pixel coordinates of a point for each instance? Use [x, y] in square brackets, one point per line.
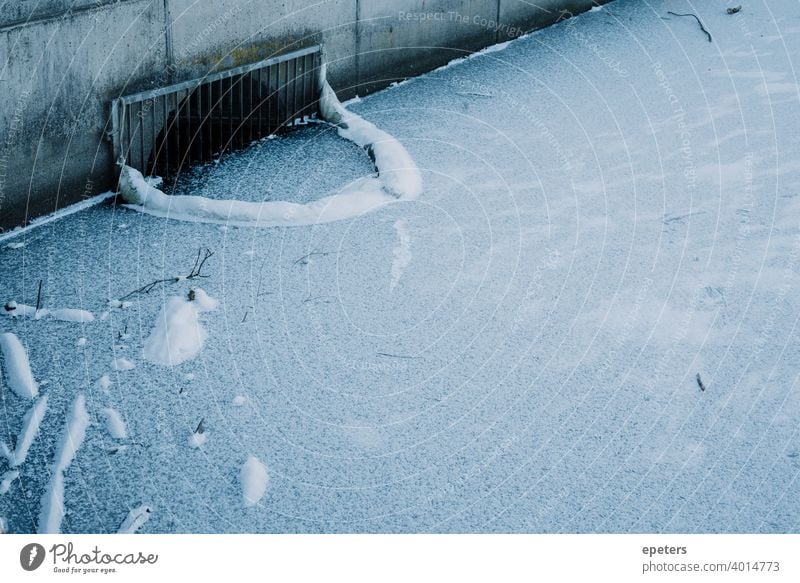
[64, 60]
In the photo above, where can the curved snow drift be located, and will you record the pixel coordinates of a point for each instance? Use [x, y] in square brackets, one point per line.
[398, 178]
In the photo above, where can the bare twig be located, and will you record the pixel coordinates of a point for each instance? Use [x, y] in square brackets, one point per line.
[396, 355]
[735, 9]
[316, 298]
[703, 28]
[195, 273]
[245, 316]
[304, 259]
[39, 296]
[700, 383]
[200, 427]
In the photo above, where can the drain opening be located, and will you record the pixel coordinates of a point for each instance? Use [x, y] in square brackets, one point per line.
[159, 132]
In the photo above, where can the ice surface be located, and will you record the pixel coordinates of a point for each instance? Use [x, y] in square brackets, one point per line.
[575, 265]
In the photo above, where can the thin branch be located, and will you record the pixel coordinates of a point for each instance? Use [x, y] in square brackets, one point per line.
[396, 355]
[700, 383]
[196, 272]
[304, 259]
[39, 296]
[703, 28]
[315, 298]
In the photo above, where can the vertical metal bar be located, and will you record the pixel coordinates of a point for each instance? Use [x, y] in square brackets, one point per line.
[140, 129]
[260, 104]
[189, 138]
[306, 92]
[129, 138]
[219, 117]
[153, 135]
[294, 89]
[177, 127]
[229, 96]
[164, 144]
[240, 118]
[287, 101]
[210, 121]
[249, 116]
[269, 100]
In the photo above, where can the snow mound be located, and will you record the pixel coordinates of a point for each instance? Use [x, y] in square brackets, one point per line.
[398, 178]
[18, 368]
[52, 511]
[135, 519]
[178, 335]
[254, 478]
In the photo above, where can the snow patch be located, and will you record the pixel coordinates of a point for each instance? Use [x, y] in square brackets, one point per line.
[8, 479]
[81, 342]
[402, 253]
[197, 439]
[18, 367]
[178, 335]
[15, 310]
[122, 364]
[30, 429]
[104, 382]
[239, 400]
[254, 479]
[135, 519]
[52, 511]
[114, 423]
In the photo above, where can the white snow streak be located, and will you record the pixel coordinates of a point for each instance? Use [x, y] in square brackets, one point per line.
[114, 423]
[8, 479]
[402, 253]
[18, 368]
[52, 511]
[30, 429]
[135, 519]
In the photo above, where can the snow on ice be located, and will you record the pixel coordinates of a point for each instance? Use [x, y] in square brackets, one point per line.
[18, 368]
[178, 335]
[254, 478]
[52, 507]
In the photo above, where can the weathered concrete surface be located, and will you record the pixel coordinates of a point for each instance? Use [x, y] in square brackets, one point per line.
[64, 60]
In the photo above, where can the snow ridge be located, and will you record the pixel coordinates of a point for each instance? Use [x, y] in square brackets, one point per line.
[398, 178]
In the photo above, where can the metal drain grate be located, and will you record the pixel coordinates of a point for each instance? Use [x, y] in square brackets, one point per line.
[159, 131]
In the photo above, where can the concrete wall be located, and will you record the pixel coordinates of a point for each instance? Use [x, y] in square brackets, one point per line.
[64, 60]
